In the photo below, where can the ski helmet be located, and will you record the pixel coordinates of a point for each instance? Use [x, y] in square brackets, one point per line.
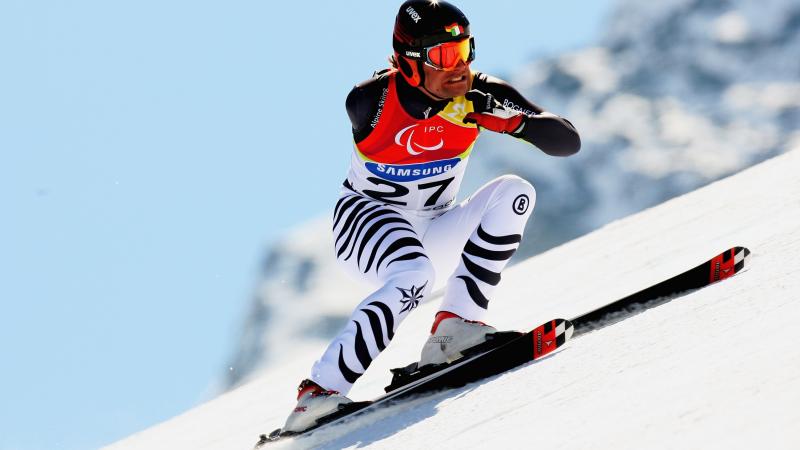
[422, 25]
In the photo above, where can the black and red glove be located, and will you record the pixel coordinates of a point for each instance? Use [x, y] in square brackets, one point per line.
[492, 115]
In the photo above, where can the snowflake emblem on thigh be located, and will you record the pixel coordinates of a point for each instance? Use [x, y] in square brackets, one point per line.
[411, 297]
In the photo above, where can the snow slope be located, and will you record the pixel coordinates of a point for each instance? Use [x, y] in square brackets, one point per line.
[716, 368]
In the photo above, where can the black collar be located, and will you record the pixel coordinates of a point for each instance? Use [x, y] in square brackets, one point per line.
[415, 102]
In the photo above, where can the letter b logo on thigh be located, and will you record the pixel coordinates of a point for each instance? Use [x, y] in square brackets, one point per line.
[521, 204]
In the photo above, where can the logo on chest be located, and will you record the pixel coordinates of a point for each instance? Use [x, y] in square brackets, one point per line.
[426, 141]
[412, 172]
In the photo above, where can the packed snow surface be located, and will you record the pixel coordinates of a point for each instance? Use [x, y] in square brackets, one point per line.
[714, 368]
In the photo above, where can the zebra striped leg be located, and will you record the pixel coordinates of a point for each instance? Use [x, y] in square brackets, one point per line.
[370, 329]
[377, 243]
[371, 236]
[490, 246]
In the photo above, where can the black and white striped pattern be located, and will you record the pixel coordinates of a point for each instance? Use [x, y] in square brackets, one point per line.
[373, 235]
[374, 240]
[402, 252]
[379, 318]
[484, 256]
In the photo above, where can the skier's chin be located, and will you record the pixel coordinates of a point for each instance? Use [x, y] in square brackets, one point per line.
[452, 90]
[458, 91]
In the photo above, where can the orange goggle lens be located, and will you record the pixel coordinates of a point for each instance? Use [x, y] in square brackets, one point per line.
[447, 55]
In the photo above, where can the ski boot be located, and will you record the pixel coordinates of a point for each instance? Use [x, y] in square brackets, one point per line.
[450, 336]
[313, 402]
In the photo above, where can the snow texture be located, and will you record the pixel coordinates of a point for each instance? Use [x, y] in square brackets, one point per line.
[718, 368]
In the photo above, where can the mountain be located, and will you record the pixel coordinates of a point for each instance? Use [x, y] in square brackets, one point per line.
[677, 94]
[714, 369]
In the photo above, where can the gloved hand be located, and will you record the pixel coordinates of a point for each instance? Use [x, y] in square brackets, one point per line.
[492, 115]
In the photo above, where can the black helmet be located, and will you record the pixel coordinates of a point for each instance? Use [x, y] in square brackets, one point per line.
[425, 23]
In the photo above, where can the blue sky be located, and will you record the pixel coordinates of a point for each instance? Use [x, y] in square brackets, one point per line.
[149, 152]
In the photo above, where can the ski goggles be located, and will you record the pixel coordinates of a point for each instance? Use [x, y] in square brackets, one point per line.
[446, 56]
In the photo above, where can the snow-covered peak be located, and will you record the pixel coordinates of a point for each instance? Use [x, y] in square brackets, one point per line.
[712, 43]
[731, 28]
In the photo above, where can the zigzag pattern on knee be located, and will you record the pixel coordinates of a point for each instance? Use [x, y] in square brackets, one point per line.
[476, 270]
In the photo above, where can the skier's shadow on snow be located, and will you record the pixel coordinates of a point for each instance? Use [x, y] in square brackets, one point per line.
[384, 422]
[387, 421]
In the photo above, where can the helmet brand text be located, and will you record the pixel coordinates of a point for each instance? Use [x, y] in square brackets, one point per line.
[413, 14]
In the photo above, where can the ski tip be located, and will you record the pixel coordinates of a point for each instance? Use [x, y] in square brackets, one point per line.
[564, 328]
[745, 252]
[262, 439]
[727, 264]
[550, 336]
[741, 258]
[265, 439]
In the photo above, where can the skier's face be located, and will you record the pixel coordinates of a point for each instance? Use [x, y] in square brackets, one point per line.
[448, 83]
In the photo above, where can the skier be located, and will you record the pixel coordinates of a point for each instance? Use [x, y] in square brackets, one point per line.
[396, 223]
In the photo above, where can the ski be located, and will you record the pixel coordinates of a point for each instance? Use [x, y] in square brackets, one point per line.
[511, 349]
[506, 351]
[720, 267]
